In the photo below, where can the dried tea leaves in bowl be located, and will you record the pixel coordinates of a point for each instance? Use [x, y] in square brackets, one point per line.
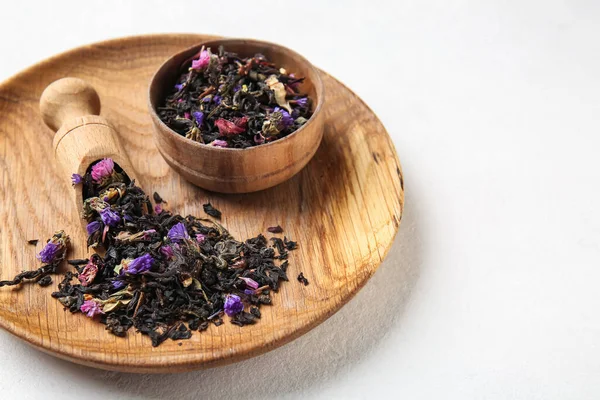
[229, 101]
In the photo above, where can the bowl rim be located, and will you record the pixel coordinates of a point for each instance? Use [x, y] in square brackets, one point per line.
[318, 83]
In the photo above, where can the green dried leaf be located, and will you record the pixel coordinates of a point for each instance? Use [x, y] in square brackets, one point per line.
[111, 306]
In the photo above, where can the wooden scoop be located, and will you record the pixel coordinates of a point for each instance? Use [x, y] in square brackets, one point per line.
[71, 106]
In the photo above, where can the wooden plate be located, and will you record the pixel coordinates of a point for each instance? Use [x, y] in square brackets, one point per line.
[344, 209]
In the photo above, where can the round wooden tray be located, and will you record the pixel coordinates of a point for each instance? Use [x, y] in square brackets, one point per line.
[343, 209]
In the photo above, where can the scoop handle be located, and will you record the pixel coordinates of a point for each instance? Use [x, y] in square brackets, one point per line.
[71, 106]
[67, 99]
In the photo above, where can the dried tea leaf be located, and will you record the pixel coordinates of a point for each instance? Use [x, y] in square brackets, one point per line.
[45, 281]
[80, 261]
[302, 279]
[210, 210]
[187, 281]
[275, 229]
[289, 244]
[157, 198]
[113, 305]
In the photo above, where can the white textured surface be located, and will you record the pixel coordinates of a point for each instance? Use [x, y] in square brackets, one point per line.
[491, 289]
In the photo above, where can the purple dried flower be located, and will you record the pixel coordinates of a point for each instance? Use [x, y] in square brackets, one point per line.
[116, 284]
[286, 120]
[178, 232]
[200, 237]
[295, 85]
[167, 251]
[198, 117]
[186, 115]
[158, 209]
[93, 227]
[302, 102]
[202, 61]
[109, 217]
[179, 86]
[249, 291]
[140, 264]
[259, 139]
[217, 99]
[49, 253]
[91, 308]
[55, 248]
[237, 88]
[76, 179]
[233, 305]
[251, 283]
[219, 143]
[207, 99]
[102, 169]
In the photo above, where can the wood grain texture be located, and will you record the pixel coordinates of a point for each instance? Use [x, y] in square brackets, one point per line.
[344, 209]
[239, 170]
[67, 99]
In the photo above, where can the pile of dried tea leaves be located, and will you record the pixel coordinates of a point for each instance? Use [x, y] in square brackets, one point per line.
[225, 100]
[161, 273]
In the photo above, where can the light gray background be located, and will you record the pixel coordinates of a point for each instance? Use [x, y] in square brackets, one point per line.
[491, 290]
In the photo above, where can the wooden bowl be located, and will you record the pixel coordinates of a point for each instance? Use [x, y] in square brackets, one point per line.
[239, 170]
